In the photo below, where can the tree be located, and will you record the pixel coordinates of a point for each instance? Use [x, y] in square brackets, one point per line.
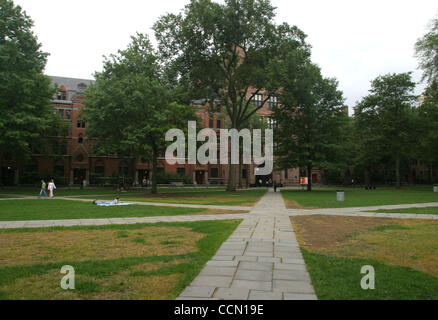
[386, 120]
[131, 106]
[25, 93]
[225, 51]
[310, 119]
[426, 50]
[428, 124]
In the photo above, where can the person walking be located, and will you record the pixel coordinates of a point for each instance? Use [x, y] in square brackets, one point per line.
[275, 186]
[51, 187]
[43, 189]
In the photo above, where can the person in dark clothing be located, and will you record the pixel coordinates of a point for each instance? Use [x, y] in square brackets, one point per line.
[275, 186]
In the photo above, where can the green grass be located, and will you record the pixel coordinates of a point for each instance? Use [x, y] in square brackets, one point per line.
[339, 278]
[45, 209]
[204, 197]
[355, 197]
[64, 192]
[426, 210]
[96, 272]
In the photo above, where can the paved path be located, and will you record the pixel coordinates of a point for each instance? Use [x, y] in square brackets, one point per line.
[107, 221]
[260, 260]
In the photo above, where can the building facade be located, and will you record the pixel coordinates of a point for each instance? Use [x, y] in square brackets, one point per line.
[71, 160]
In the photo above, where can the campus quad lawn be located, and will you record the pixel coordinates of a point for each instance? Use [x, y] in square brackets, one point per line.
[199, 196]
[426, 210]
[141, 261]
[52, 209]
[64, 192]
[358, 197]
[404, 254]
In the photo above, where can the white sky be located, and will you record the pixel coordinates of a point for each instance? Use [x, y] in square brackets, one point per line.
[353, 41]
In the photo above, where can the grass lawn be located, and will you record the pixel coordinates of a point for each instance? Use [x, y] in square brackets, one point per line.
[426, 210]
[238, 198]
[141, 261]
[52, 209]
[355, 197]
[404, 254]
[64, 192]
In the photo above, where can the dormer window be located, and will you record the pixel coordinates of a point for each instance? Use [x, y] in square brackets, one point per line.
[61, 95]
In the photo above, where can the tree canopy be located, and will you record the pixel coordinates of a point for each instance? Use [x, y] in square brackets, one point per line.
[131, 106]
[426, 50]
[311, 117]
[386, 121]
[226, 50]
[25, 93]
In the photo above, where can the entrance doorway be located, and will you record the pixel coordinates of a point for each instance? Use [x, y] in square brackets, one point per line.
[314, 178]
[200, 177]
[8, 174]
[79, 174]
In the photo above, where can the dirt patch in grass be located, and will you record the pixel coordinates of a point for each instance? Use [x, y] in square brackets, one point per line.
[291, 204]
[399, 242]
[117, 286]
[25, 248]
[219, 211]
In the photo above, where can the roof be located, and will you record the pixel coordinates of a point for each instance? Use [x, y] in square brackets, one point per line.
[73, 85]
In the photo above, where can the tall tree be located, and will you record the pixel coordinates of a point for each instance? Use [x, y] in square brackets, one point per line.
[226, 50]
[131, 106]
[427, 126]
[25, 93]
[426, 50]
[386, 118]
[310, 119]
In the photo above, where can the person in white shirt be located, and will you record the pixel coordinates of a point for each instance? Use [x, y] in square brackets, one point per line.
[51, 187]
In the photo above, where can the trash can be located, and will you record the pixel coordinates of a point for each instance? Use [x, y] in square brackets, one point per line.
[435, 188]
[340, 195]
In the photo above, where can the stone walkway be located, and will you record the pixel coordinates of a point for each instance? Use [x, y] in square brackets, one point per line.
[260, 260]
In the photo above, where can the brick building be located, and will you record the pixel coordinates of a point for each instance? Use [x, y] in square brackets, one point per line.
[72, 160]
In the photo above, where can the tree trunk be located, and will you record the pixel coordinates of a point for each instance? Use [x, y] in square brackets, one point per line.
[154, 170]
[430, 173]
[397, 172]
[367, 177]
[1, 170]
[231, 177]
[240, 170]
[309, 178]
[247, 175]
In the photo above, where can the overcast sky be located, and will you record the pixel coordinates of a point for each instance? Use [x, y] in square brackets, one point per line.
[353, 41]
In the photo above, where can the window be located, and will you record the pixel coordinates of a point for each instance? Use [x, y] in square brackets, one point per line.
[244, 174]
[258, 100]
[272, 102]
[80, 124]
[218, 124]
[272, 124]
[80, 139]
[62, 95]
[80, 158]
[214, 173]
[68, 114]
[61, 113]
[210, 123]
[181, 171]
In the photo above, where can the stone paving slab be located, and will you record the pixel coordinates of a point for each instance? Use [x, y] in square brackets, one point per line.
[267, 261]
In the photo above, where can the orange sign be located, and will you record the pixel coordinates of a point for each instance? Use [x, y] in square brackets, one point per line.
[303, 180]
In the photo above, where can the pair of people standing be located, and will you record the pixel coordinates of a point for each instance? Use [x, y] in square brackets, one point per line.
[50, 187]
